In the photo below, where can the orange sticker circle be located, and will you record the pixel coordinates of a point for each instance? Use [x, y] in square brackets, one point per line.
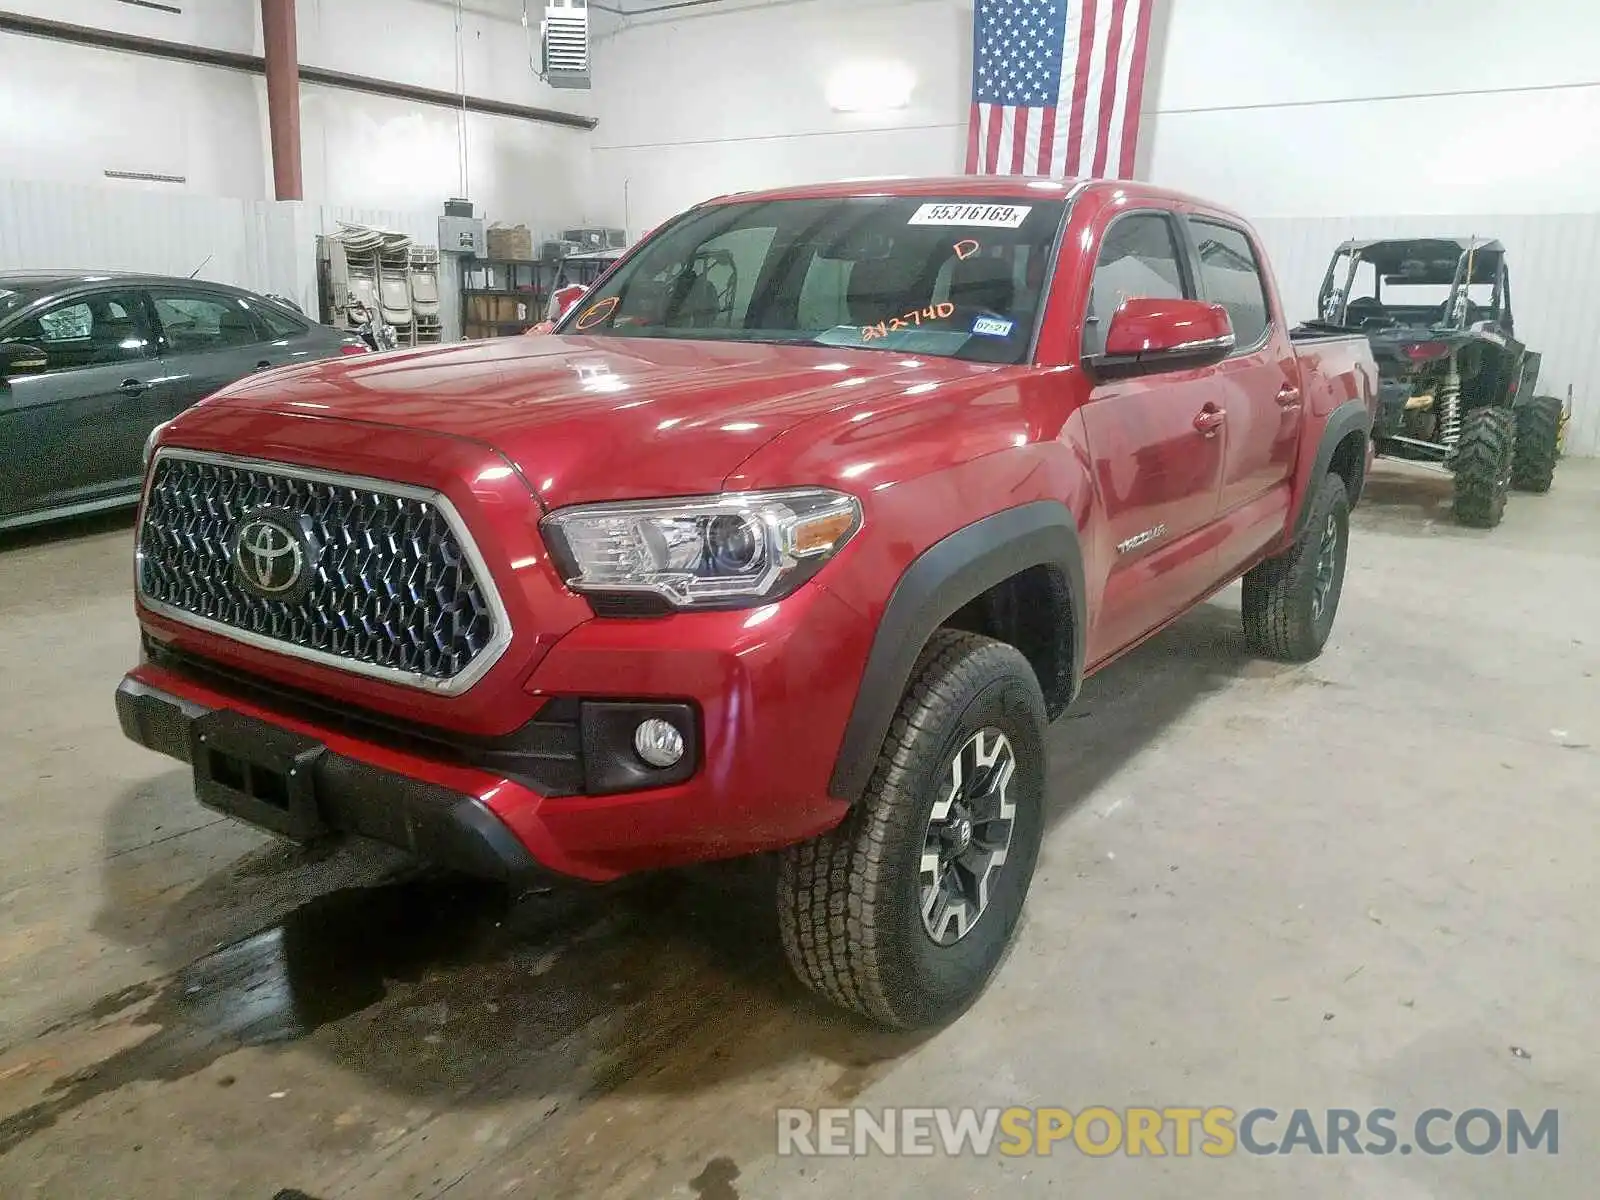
[597, 312]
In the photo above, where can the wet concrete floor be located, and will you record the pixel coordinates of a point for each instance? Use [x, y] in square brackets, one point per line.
[1355, 883]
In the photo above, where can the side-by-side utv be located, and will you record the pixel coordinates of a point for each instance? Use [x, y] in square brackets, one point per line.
[1457, 388]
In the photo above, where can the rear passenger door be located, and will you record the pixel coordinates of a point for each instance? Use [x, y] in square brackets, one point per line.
[1257, 385]
[1158, 475]
[208, 340]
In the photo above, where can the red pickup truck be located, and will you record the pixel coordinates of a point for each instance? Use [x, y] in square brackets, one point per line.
[793, 536]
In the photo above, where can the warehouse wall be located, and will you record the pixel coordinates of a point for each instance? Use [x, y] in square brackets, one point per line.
[69, 113]
[1361, 106]
[738, 98]
[1306, 108]
[1296, 113]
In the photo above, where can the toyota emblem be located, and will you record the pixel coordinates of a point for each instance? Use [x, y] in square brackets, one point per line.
[271, 556]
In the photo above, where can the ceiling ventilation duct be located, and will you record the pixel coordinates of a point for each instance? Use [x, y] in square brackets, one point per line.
[566, 44]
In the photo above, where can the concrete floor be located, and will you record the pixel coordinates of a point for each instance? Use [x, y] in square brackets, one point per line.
[1356, 884]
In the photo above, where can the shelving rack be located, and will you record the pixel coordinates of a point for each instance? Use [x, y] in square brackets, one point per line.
[502, 297]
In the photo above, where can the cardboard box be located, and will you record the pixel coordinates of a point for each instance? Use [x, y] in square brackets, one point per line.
[511, 242]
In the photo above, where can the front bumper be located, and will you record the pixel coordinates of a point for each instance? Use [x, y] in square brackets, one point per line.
[321, 791]
[770, 690]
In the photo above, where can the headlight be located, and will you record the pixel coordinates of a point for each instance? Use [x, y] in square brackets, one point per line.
[150, 442]
[717, 552]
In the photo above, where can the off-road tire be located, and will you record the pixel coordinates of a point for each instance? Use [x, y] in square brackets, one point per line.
[1533, 461]
[1483, 466]
[849, 901]
[1282, 618]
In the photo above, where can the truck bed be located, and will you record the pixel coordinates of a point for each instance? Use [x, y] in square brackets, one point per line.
[1315, 331]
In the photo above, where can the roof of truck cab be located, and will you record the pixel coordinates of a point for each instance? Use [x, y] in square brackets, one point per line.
[976, 187]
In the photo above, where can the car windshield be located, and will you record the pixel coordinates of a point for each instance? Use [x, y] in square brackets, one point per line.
[921, 275]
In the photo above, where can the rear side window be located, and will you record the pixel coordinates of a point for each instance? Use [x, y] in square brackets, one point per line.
[1231, 277]
[198, 321]
[1138, 260]
[277, 324]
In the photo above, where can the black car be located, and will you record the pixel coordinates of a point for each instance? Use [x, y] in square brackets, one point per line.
[90, 364]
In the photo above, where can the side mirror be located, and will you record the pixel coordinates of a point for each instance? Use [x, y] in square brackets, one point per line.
[539, 330]
[21, 358]
[1149, 335]
[564, 298]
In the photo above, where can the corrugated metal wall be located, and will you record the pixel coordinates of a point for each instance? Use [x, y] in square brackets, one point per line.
[1554, 294]
[263, 245]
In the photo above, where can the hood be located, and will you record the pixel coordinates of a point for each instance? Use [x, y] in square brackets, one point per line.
[600, 418]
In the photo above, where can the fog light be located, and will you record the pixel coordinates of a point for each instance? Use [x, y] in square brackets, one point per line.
[658, 742]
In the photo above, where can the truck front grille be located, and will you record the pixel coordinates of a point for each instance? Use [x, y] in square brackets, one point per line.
[390, 585]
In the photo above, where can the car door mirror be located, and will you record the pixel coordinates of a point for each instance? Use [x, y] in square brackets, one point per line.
[21, 358]
[565, 298]
[1148, 334]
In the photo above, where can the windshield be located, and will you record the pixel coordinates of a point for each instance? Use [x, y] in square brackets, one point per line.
[907, 274]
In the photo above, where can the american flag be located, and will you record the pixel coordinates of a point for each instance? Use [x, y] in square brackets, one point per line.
[1057, 86]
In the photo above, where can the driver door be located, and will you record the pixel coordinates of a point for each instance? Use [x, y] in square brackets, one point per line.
[1159, 475]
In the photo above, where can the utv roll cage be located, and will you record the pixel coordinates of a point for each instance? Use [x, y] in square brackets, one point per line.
[1458, 263]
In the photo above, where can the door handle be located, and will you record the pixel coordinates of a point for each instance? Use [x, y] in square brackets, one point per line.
[133, 387]
[1209, 419]
[1288, 396]
[263, 365]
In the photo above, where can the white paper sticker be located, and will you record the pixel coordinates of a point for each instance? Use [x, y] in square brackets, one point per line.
[988, 216]
[993, 327]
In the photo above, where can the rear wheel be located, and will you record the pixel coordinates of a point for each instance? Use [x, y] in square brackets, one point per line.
[903, 912]
[1290, 601]
[1483, 466]
[1533, 462]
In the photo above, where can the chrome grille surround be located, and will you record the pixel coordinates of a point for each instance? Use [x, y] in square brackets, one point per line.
[401, 592]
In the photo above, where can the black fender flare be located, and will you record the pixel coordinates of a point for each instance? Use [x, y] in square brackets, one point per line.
[953, 571]
[1350, 417]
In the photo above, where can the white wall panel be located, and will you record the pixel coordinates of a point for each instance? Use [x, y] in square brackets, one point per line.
[69, 113]
[1551, 258]
[707, 101]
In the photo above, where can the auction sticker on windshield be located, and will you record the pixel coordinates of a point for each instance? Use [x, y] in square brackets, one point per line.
[990, 216]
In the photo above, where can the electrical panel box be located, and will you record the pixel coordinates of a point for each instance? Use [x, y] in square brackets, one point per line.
[462, 235]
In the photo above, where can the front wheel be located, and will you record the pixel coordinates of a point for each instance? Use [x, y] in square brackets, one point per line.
[903, 912]
[1290, 601]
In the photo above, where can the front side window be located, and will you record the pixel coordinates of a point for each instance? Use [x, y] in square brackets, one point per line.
[87, 331]
[199, 321]
[912, 275]
[1230, 276]
[1138, 260]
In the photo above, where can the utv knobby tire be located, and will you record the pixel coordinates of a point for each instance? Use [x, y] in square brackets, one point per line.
[1483, 466]
[1533, 460]
[849, 901]
[1279, 607]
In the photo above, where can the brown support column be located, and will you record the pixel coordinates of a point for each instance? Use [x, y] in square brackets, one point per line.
[283, 95]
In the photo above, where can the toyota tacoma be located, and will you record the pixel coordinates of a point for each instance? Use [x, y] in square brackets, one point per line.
[792, 537]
